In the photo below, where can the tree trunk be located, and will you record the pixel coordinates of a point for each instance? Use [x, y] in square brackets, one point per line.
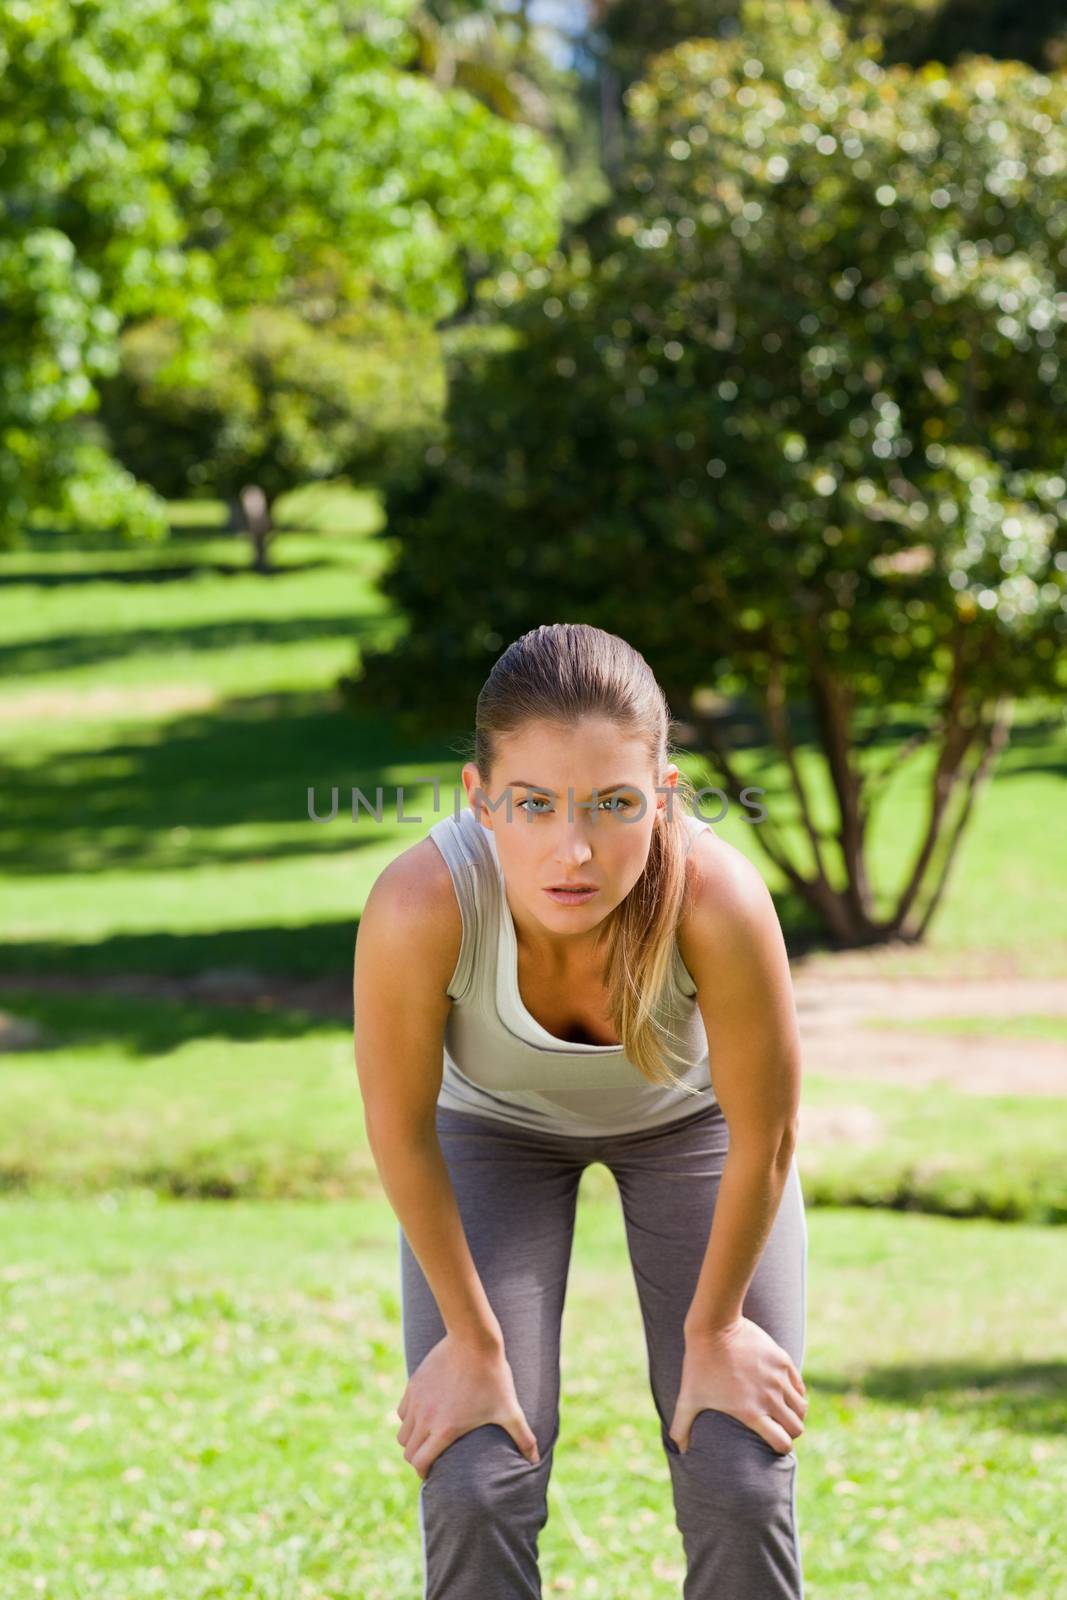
[847, 913]
[255, 512]
[611, 123]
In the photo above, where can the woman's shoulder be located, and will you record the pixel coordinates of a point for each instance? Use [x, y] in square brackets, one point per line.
[415, 898]
[417, 875]
[727, 902]
[710, 853]
[442, 891]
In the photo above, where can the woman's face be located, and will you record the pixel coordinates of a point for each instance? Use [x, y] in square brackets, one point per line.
[583, 804]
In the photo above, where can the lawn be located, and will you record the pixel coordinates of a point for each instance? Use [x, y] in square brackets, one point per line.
[199, 1315]
[199, 1399]
[161, 725]
[261, 1102]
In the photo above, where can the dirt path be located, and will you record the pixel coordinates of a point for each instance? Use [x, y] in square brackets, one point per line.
[836, 1016]
[836, 1006]
[101, 701]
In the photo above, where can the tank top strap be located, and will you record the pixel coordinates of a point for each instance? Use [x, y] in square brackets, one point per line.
[473, 871]
[683, 978]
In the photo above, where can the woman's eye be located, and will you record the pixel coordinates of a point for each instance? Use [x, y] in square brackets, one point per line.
[615, 802]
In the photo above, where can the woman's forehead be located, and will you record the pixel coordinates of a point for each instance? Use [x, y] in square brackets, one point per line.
[588, 741]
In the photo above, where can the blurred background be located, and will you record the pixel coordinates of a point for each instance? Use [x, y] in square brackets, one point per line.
[342, 343]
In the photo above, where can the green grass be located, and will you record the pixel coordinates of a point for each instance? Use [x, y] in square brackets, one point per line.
[263, 1103]
[934, 1149]
[169, 836]
[1034, 1026]
[199, 1401]
[176, 708]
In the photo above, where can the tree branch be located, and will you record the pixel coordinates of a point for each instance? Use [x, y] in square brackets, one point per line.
[777, 713]
[997, 739]
[960, 731]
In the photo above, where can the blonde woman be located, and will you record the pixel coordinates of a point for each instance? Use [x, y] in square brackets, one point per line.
[536, 985]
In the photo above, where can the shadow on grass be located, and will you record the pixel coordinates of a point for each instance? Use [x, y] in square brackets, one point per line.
[43, 579]
[247, 763]
[315, 950]
[1022, 1397]
[249, 760]
[141, 1026]
[207, 788]
[19, 662]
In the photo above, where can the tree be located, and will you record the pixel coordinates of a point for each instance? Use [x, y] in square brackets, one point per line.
[795, 417]
[916, 31]
[625, 34]
[326, 387]
[910, 31]
[186, 159]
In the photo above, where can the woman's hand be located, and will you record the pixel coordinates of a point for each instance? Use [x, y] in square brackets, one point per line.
[741, 1370]
[457, 1387]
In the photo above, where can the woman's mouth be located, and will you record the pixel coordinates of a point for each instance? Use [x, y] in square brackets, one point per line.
[571, 897]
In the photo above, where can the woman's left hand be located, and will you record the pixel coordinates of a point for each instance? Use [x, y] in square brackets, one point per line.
[741, 1370]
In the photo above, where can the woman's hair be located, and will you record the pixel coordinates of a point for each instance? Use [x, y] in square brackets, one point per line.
[556, 674]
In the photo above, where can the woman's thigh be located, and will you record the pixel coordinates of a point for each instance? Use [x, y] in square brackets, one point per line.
[517, 1195]
[668, 1180]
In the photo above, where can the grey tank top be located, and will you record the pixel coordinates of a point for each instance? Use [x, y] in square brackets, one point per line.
[500, 1062]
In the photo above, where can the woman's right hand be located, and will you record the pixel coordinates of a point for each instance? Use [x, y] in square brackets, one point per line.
[456, 1387]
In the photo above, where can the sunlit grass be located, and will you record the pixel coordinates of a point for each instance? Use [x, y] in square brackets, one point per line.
[160, 736]
[1034, 1026]
[262, 1102]
[199, 1400]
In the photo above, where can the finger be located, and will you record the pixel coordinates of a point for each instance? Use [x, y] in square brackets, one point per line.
[794, 1373]
[681, 1423]
[789, 1419]
[401, 1409]
[526, 1440]
[415, 1444]
[797, 1398]
[774, 1433]
[427, 1453]
[403, 1433]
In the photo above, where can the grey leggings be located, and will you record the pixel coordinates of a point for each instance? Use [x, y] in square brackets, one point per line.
[482, 1504]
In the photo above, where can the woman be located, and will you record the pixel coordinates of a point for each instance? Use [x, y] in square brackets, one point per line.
[524, 977]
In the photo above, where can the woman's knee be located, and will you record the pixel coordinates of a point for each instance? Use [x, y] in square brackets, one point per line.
[737, 1474]
[481, 1473]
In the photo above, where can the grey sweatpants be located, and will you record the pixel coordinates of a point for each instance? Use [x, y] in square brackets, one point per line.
[482, 1504]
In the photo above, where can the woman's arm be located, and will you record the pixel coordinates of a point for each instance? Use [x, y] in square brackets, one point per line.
[731, 941]
[406, 951]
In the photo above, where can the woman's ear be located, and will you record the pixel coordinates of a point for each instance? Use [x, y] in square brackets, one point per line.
[668, 782]
[472, 782]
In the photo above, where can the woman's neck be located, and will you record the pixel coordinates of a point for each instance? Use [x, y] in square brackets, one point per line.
[557, 953]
